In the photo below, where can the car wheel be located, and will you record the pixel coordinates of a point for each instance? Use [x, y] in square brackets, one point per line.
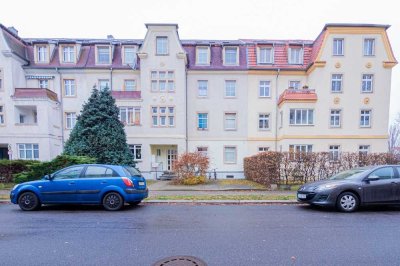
[347, 202]
[113, 201]
[134, 203]
[28, 201]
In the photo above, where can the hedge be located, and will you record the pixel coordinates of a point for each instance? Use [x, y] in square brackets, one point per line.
[283, 167]
[8, 168]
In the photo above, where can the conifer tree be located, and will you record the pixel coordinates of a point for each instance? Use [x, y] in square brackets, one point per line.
[98, 132]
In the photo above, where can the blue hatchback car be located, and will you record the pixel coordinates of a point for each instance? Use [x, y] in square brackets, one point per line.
[108, 185]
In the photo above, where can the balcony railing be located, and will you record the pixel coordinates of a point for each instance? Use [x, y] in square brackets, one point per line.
[35, 93]
[302, 95]
[126, 94]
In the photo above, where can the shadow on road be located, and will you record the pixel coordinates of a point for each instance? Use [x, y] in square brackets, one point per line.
[363, 209]
[73, 208]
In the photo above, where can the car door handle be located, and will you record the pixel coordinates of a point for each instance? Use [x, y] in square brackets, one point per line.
[72, 183]
[103, 182]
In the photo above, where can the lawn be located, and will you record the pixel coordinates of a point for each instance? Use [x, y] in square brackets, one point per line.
[6, 185]
[223, 197]
[240, 182]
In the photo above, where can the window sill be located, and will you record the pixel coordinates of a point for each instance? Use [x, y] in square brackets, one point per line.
[301, 125]
[202, 129]
[264, 97]
[367, 92]
[230, 129]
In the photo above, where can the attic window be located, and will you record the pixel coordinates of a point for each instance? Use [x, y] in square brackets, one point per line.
[162, 45]
[265, 55]
[68, 54]
[42, 53]
[103, 55]
[295, 56]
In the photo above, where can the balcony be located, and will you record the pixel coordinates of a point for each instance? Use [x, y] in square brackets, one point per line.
[126, 94]
[297, 96]
[35, 93]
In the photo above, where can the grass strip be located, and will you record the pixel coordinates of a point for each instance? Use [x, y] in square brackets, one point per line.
[223, 197]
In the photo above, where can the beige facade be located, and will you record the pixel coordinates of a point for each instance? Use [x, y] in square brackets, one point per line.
[174, 99]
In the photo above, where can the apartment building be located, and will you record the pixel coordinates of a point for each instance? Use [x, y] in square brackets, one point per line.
[226, 98]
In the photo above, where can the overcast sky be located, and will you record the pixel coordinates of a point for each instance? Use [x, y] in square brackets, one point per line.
[202, 19]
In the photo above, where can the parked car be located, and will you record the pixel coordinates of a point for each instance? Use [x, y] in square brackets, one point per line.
[108, 185]
[352, 188]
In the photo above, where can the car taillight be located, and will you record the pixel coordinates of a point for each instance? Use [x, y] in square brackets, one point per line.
[127, 182]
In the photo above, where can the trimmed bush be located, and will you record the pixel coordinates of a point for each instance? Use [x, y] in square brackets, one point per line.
[8, 168]
[37, 169]
[191, 168]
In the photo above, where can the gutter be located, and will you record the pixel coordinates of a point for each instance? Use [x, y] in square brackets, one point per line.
[276, 109]
[111, 79]
[61, 108]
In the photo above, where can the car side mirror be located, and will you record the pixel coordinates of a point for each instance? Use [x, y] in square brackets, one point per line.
[373, 178]
[48, 177]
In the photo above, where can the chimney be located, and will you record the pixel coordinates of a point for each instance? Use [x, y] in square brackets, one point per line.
[13, 30]
[110, 37]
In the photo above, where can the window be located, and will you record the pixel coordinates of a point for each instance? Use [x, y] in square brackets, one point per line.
[70, 172]
[93, 171]
[70, 119]
[202, 150]
[230, 88]
[335, 118]
[163, 116]
[338, 46]
[383, 173]
[202, 57]
[363, 149]
[28, 151]
[129, 115]
[301, 117]
[296, 150]
[230, 121]
[136, 150]
[263, 149]
[69, 87]
[104, 83]
[103, 55]
[202, 121]
[129, 56]
[266, 55]
[365, 118]
[229, 154]
[369, 47]
[42, 54]
[162, 46]
[334, 152]
[202, 86]
[230, 56]
[295, 56]
[336, 82]
[263, 121]
[294, 84]
[68, 54]
[264, 88]
[367, 82]
[161, 81]
[2, 121]
[130, 85]
[43, 83]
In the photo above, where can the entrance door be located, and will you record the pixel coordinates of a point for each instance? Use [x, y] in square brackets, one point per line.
[171, 157]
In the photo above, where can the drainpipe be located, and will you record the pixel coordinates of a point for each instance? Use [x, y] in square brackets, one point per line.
[186, 111]
[276, 109]
[61, 108]
[111, 79]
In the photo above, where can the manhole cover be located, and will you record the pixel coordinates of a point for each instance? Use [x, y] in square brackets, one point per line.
[180, 261]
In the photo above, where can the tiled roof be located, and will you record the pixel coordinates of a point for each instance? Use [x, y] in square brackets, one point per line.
[16, 44]
[35, 93]
[297, 95]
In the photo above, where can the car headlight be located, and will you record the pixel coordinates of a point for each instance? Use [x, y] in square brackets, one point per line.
[15, 187]
[327, 186]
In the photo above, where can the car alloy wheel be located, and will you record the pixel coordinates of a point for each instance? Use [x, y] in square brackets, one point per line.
[28, 201]
[113, 201]
[347, 202]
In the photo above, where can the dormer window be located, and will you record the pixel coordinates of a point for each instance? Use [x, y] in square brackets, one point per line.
[68, 54]
[162, 45]
[103, 55]
[202, 55]
[42, 56]
[231, 55]
[129, 55]
[295, 56]
[265, 55]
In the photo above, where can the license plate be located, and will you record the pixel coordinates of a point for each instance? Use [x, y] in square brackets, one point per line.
[302, 196]
[141, 183]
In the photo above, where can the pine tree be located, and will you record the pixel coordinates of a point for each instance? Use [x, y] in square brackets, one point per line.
[98, 133]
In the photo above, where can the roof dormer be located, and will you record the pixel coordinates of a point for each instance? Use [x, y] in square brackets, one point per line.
[42, 53]
[104, 54]
[68, 53]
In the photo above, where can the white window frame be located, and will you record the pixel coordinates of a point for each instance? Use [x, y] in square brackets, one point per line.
[296, 150]
[263, 149]
[263, 56]
[230, 117]
[363, 149]
[338, 47]
[295, 56]
[161, 116]
[127, 115]
[307, 121]
[335, 118]
[68, 54]
[264, 89]
[43, 83]
[136, 150]
[162, 81]
[205, 119]
[162, 45]
[368, 50]
[42, 53]
[334, 152]
[202, 150]
[128, 87]
[104, 83]
[69, 88]
[230, 88]
[70, 120]
[363, 118]
[130, 51]
[367, 83]
[232, 149]
[202, 88]
[101, 53]
[2, 115]
[294, 84]
[228, 52]
[28, 147]
[264, 121]
[203, 58]
[336, 80]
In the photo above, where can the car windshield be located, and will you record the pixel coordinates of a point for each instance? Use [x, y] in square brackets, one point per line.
[348, 174]
[132, 171]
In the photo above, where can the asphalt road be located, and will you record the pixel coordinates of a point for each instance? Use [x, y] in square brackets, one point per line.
[218, 234]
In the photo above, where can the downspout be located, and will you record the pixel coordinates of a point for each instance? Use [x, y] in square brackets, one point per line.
[61, 108]
[111, 79]
[276, 109]
[186, 111]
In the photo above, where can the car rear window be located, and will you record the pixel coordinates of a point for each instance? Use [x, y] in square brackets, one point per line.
[99, 171]
[131, 171]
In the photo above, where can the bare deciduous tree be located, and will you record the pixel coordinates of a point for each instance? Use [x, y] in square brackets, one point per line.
[394, 136]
